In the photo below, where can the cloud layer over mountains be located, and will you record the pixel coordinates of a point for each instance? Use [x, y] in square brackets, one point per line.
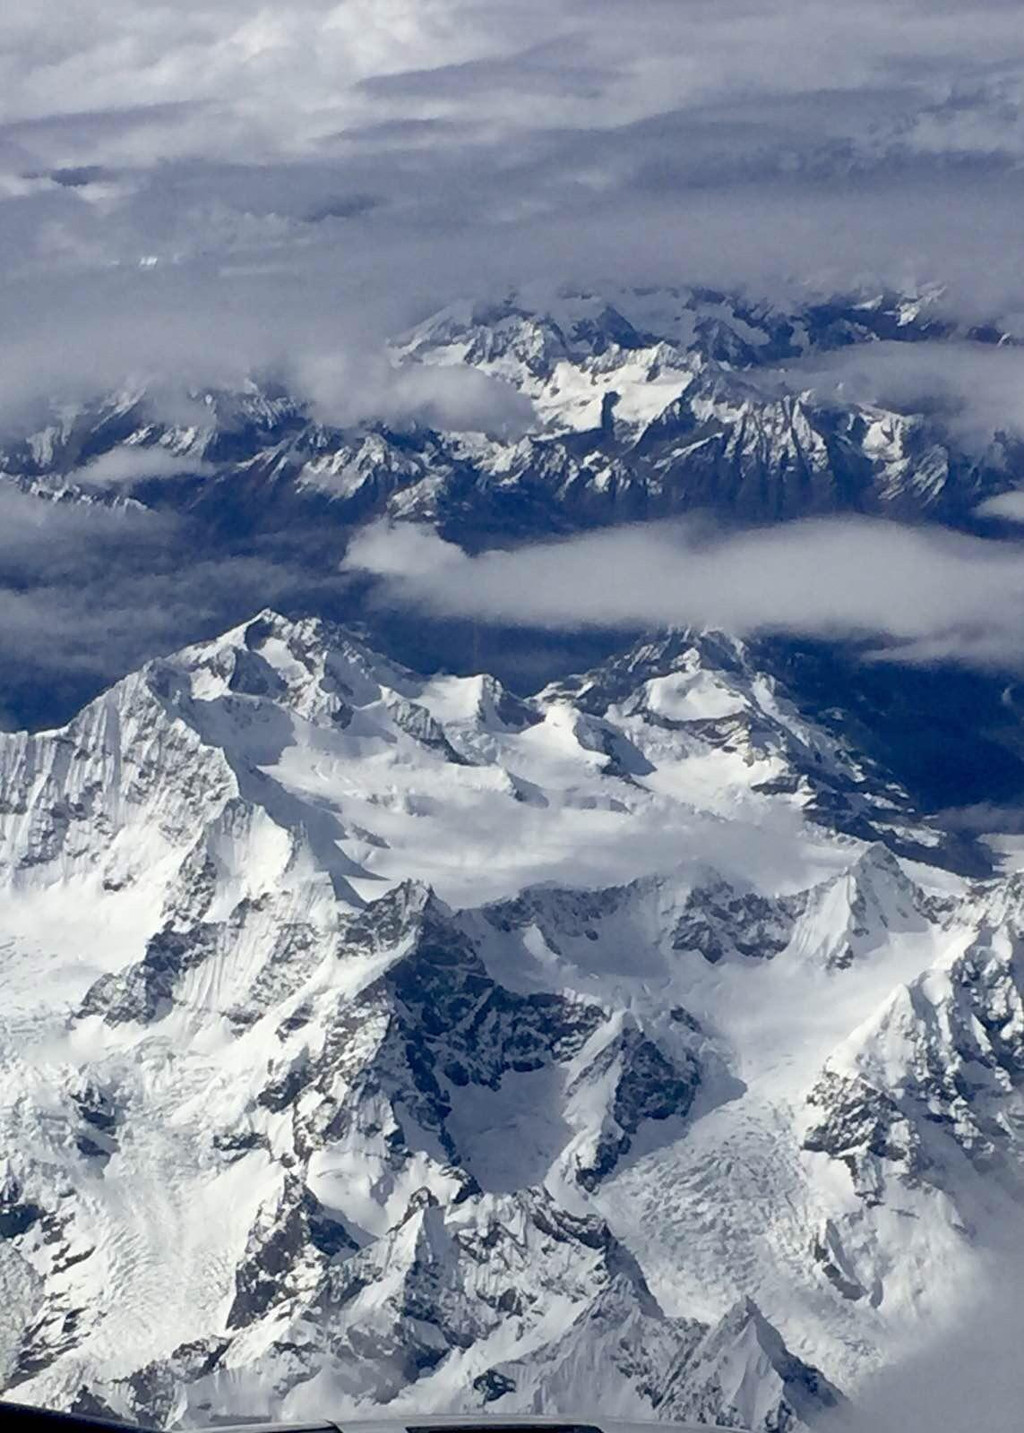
[929, 595]
[192, 193]
[227, 185]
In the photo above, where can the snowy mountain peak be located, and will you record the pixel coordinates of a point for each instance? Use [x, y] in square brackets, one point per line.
[929, 1084]
[860, 913]
[742, 1375]
[631, 405]
[313, 668]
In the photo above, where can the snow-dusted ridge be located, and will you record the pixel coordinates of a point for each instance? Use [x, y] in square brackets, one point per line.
[370, 1038]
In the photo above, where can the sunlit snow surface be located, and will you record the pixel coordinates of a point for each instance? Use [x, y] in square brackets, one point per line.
[272, 1111]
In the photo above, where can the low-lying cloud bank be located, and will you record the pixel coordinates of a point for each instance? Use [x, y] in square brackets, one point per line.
[923, 594]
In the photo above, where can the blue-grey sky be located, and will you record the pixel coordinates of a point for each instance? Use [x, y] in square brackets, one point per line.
[218, 182]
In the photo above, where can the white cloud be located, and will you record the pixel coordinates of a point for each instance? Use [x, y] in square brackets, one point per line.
[1009, 506]
[321, 162]
[929, 595]
[129, 463]
[92, 590]
[346, 387]
[966, 1374]
[978, 387]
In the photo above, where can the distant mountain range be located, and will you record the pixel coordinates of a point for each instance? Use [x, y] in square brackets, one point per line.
[646, 404]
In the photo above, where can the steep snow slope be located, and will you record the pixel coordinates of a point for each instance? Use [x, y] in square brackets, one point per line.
[377, 1038]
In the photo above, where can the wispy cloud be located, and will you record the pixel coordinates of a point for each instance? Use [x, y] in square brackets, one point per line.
[1008, 506]
[976, 388]
[926, 595]
[964, 1370]
[343, 388]
[129, 463]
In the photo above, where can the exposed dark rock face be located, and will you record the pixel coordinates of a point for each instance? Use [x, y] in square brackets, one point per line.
[646, 1086]
[717, 921]
[287, 1248]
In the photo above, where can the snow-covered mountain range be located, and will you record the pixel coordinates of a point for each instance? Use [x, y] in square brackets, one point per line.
[380, 1038]
[632, 405]
[372, 1038]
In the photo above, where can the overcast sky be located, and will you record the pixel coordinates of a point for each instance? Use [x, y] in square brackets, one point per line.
[225, 183]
